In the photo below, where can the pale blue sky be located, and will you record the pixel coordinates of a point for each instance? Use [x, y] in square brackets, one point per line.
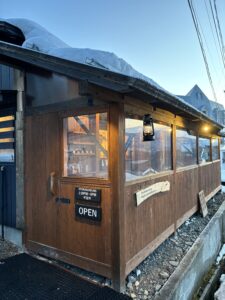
[157, 37]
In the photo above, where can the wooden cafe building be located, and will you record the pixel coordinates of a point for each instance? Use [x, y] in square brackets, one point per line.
[85, 178]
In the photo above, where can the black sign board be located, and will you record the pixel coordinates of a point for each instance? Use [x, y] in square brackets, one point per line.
[88, 212]
[92, 195]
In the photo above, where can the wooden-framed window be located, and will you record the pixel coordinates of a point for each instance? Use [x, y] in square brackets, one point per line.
[215, 148]
[186, 152]
[204, 150]
[149, 157]
[85, 144]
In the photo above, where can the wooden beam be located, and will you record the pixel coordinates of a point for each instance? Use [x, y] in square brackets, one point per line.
[20, 205]
[117, 125]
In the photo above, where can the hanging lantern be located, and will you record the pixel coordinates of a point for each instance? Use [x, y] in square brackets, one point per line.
[148, 128]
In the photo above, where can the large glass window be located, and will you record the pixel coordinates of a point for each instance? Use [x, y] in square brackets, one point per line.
[185, 148]
[215, 149]
[86, 146]
[203, 150]
[144, 158]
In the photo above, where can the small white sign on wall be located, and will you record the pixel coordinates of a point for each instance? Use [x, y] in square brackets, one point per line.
[152, 190]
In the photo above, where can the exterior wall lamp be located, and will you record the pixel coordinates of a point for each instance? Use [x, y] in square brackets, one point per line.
[148, 128]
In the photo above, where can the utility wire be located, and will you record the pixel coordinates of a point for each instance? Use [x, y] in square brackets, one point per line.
[193, 14]
[217, 33]
[207, 46]
[219, 29]
[219, 52]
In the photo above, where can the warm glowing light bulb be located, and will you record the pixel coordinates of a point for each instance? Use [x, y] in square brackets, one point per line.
[205, 128]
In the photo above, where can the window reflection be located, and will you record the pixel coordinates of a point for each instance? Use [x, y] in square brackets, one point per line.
[149, 157]
[215, 149]
[86, 146]
[185, 148]
[204, 150]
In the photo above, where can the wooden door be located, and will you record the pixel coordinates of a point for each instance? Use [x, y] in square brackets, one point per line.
[52, 226]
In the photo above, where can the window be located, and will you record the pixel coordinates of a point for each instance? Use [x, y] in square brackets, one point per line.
[185, 148]
[215, 149]
[144, 158]
[7, 138]
[86, 145]
[203, 150]
[6, 155]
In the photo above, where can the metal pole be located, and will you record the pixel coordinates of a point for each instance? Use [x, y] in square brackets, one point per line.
[2, 198]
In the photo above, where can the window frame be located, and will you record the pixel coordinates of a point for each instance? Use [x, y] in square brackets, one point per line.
[218, 140]
[178, 169]
[210, 150]
[152, 175]
[79, 112]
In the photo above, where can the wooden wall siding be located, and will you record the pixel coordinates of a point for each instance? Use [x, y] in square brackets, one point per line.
[209, 177]
[154, 217]
[145, 222]
[186, 191]
[51, 223]
[6, 78]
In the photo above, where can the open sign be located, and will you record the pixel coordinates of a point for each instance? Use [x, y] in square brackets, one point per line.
[88, 212]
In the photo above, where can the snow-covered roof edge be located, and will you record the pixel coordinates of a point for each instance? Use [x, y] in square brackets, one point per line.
[38, 39]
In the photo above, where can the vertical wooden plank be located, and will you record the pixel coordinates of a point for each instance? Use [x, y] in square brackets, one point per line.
[219, 144]
[197, 148]
[174, 167]
[20, 205]
[117, 138]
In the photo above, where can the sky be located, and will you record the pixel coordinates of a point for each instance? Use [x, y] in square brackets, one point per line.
[157, 37]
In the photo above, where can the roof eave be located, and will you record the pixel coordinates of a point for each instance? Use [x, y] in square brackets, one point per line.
[25, 58]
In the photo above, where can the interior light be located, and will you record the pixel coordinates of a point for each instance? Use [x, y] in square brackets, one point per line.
[205, 128]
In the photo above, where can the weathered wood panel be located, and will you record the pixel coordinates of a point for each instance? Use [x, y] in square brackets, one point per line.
[186, 186]
[52, 228]
[41, 158]
[209, 176]
[82, 237]
[148, 225]
[145, 222]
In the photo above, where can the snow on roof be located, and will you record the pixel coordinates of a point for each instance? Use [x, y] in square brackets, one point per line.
[39, 39]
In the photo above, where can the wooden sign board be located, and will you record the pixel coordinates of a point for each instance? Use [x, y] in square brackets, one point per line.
[152, 190]
[93, 195]
[203, 205]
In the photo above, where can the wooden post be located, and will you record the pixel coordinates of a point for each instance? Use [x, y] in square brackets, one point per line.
[20, 218]
[174, 167]
[117, 157]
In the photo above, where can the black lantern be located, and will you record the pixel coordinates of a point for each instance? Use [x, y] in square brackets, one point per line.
[148, 128]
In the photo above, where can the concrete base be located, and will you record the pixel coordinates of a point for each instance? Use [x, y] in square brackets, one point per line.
[13, 235]
[186, 279]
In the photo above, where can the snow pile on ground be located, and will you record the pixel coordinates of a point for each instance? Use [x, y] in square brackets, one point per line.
[221, 254]
[223, 189]
[220, 293]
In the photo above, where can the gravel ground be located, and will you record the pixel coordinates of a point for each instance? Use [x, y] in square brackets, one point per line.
[150, 276]
[8, 249]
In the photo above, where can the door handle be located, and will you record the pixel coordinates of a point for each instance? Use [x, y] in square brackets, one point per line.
[53, 183]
